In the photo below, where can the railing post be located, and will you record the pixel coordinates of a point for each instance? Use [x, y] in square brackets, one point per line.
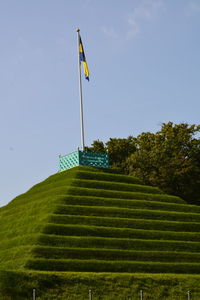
[34, 294]
[90, 294]
[141, 294]
[188, 294]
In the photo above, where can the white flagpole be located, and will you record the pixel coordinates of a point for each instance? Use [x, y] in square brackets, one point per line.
[81, 94]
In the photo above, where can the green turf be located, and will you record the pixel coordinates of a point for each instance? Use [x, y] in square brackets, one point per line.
[107, 286]
[112, 232]
[116, 212]
[118, 243]
[127, 203]
[112, 254]
[97, 221]
[126, 223]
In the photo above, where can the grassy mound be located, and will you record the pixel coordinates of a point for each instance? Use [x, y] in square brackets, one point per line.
[97, 221]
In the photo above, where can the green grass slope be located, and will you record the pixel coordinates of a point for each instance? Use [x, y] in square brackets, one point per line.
[97, 221]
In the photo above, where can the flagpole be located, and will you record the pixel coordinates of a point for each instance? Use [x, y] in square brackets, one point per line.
[80, 94]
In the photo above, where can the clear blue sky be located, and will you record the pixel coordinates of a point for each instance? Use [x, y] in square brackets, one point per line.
[144, 61]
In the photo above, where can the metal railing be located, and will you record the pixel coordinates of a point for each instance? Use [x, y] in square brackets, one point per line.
[83, 158]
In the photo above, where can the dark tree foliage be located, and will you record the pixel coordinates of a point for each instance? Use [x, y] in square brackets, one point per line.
[169, 158]
[119, 150]
[97, 146]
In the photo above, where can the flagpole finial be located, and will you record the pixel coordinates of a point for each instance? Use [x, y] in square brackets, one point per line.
[78, 30]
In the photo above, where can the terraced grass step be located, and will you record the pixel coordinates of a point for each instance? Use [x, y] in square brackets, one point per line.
[100, 231]
[116, 186]
[112, 266]
[124, 203]
[66, 189]
[119, 194]
[117, 243]
[18, 211]
[100, 170]
[88, 183]
[102, 176]
[94, 186]
[91, 174]
[110, 254]
[116, 212]
[125, 223]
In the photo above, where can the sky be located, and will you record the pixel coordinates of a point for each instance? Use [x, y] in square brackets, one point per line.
[144, 62]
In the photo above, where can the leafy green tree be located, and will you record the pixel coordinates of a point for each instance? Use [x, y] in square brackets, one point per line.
[119, 150]
[97, 146]
[170, 159]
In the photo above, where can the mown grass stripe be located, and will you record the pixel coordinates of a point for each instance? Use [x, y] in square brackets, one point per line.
[81, 172]
[128, 203]
[123, 195]
[56, 190]
[125, 223]
[112, 266]
[102, 176]
[73, 173]
[100, 231]
[88, 183]
[110, 254]
[117, 243]
[116, 212]
[116, 186]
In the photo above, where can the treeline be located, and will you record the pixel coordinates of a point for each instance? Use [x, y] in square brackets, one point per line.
[169, 158]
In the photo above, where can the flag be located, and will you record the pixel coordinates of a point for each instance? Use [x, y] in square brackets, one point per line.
[83, 59]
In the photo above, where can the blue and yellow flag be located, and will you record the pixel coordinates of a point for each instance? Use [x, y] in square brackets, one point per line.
[83, 59]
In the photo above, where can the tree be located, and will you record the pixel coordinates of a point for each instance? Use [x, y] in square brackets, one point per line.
[169, 159]
[97, 146]
[119, 150]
